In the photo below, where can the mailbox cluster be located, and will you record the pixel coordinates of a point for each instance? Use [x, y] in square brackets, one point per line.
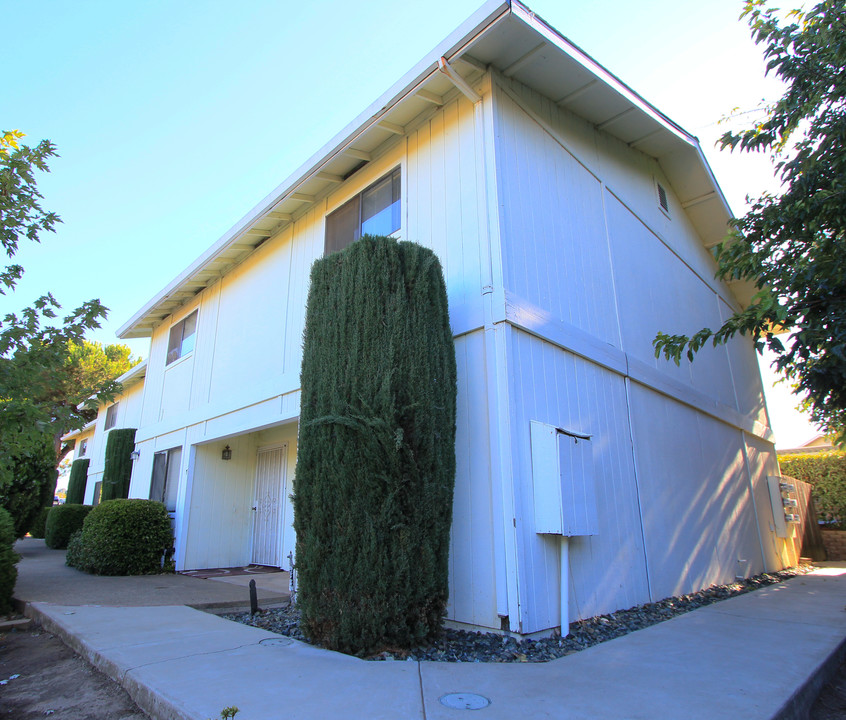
[789, 503]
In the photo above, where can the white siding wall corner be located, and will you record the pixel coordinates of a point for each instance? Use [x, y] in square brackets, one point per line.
[607, 570]
[560, 268]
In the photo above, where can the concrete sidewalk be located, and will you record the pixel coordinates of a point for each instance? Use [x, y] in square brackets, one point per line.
[44, 577]
[761, 655]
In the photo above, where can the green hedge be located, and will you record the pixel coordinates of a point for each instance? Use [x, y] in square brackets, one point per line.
[123, 537]
[31, 485]
[826, 471]
[8, 560]
[77, 481]
[118, 465]
[39, 525]
[62, 522]
[376, 450]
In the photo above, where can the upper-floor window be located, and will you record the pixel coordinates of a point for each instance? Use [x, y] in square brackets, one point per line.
[83, 446]
[374, 211]
[182, 336]
[111, 416]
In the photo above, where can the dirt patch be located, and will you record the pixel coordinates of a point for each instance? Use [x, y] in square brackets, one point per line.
[831, 703]
[54, 682]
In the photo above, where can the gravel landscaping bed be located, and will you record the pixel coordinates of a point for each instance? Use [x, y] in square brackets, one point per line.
[466, 646]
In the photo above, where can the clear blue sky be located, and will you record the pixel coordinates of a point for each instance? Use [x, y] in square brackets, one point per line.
[174, 118]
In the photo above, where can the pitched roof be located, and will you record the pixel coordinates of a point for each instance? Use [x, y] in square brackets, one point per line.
[505, 35]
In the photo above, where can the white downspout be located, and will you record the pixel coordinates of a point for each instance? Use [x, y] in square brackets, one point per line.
[565, 586]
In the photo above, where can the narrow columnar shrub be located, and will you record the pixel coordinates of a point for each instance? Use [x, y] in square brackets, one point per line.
[826, 471]
[118, 466]
[76, 482]
[39, 525]
[29, 485]
[62, 522]
[376, 450]
[123, 537]
[8, 560]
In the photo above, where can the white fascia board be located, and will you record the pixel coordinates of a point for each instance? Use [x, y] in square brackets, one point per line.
[135, 374]
[553, 37]
[713, 179]
[76, 433]
[480, 21]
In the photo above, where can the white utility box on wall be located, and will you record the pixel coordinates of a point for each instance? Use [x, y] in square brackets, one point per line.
[563, 481]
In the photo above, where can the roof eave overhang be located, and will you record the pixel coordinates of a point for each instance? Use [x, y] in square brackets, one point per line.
[501, 34]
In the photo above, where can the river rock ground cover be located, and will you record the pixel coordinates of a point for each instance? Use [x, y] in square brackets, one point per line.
[466, 646]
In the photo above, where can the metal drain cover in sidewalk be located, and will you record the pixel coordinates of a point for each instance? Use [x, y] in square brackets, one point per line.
[465, 701]
[276, 642]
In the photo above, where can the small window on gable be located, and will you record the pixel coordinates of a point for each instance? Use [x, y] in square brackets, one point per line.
[83, 446]
[182, 336]
[374, 211]
[111, 416]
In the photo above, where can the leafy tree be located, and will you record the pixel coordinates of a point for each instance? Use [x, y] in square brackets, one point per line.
[20, 211]
[36, 345]
[791, 245]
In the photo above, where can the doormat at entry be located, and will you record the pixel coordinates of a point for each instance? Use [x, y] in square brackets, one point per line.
[207, 573]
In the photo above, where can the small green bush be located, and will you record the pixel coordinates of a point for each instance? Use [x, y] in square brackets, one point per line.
[39, 525]
[123, 537]
[62, 522]
[73, 558]
[77, 480]
[8, 560]
[826, 471]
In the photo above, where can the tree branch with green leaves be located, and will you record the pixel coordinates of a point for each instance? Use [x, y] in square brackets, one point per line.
[791, 245]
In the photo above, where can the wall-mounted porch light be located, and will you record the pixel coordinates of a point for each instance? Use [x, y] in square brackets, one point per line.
[226, 454]
[135, 454]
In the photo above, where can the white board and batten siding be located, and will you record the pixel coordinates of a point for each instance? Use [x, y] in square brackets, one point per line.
[607, 569]
[249, 341]
[593, 269]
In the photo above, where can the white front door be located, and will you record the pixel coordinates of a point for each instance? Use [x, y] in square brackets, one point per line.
[268, 507]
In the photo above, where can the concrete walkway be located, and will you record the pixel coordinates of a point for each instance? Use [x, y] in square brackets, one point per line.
[761, 655]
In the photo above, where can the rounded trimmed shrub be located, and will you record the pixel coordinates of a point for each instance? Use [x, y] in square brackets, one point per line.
[39, 525]
[62, 522]
[123, 537]
[8, 560]
[376, 451]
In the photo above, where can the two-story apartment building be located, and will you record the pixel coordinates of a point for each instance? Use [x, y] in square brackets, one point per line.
[573, 221]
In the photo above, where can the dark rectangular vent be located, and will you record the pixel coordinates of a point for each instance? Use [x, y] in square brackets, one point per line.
[662, 198]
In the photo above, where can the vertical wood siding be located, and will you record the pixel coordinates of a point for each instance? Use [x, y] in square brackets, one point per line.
[442, 205]
[698, 513]
[553, 231]
[607, 570]
[585, 241]
[472, 571]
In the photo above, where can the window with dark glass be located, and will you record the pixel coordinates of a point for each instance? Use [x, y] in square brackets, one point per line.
[374, 211]
[182, 336]
[111, 416]
[83, 447]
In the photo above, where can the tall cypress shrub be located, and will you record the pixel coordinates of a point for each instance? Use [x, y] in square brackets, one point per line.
[118, 466]
[376, 452]
[77, 480]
